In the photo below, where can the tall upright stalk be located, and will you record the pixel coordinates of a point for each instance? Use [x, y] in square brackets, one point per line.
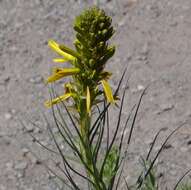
[89, 85]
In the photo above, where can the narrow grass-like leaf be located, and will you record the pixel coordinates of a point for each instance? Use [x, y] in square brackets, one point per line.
[154, 160]
[126, 184]
[73, 147]
[51, 171]
[106, 108]
[153, 143]
[65, 162]
[37, 141]
[179, 181]
[135, 116]
[114, 136]
[100, 138]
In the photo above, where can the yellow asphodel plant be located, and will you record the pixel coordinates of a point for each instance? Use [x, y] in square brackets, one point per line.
[89, 81]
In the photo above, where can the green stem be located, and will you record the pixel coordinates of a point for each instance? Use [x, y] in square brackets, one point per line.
[86, 150]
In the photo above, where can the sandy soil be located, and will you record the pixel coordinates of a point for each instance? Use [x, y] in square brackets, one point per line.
[153, 38]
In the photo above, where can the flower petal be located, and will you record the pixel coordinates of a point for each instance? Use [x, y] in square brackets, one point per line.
[52, 44]
[60, 60]
[88, 100]
[108, 91]
[59, 73]
[57, 100]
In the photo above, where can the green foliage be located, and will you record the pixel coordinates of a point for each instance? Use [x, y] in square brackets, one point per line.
[150, 182]
[109, 168]
[185, 186]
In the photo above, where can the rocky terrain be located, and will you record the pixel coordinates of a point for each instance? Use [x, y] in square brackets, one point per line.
[153, 39]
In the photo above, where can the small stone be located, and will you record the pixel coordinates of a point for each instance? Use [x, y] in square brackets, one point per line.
[167, 146]
[37, 130]
[2, 187]
[145, 49]
[141, 57]
[9, 165]
[29, 128]
[189, 142]
[6, 141]
[173, 172]
[13, 111]
[33, 159]
[36, 79]
[183, 149]
[140, 87]
[25, 151]
[122, 22]
[4, 80]
[165, 107]
[20, 174]
[8, 116]
[21, 166]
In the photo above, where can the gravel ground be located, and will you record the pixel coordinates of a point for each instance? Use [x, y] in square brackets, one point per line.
[153, 38]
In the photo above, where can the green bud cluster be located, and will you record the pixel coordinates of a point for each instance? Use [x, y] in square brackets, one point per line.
[93, 30]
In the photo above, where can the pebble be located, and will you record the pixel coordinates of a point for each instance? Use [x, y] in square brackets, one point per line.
[29, 128]
[25, 151]
[173, 172]
[9, 165]
[122, 22]
[184, 149]
[6, 141]
[5, 80]
[165, 107]
[21, 165]
[189, 142]
[145, 49]
[8, 116]
[36, 79]
[167, 146]
[33, 159]
[140, 87]
[20, 174]
[2, 187]
[37, 130]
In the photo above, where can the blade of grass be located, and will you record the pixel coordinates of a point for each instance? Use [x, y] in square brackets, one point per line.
[153, 143]
[114, 136]
[154, 160]
[65, 162]
[135, 116]
[179, 181]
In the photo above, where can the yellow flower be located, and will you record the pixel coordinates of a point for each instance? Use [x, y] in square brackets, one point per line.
[88, 100]
[59, 73]
[56, 47]
[57, 100]
[59, 60]
[107, 91]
